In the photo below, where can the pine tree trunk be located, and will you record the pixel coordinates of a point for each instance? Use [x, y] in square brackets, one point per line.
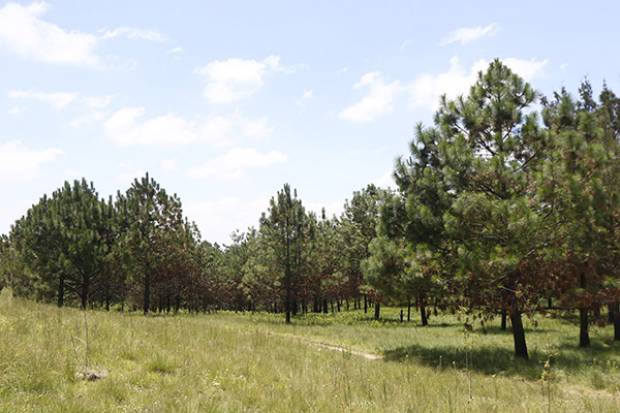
[503, 323]
[365, 304]
[518, 332]
[616, 313]
[584, 334]
[610, 313]
[288, 277]
[423, 315]
[61, 291]
[377, 310]
[147, 292]
[84, 294]
[325, 308]
[409, 310]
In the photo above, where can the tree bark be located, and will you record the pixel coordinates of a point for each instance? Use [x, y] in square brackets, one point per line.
[147, 292]
[423, 316]
[584, 334]
[616, 313]
[84, 294]
[518, 332]
[61, 291]
[377, 310]
[365, 304]
[503, 323]
[409, 310]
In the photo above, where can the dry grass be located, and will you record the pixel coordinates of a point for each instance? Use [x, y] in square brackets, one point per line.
[232, 363]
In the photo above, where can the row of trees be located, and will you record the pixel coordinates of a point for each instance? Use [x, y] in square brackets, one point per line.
[498, 207]
[138, 250]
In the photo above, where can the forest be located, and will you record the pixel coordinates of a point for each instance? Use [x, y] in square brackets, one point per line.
[506, 207]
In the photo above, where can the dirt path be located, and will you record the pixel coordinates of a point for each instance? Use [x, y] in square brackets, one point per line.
[329, 346]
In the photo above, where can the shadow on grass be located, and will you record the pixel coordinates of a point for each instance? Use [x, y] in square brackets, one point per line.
[498, 360]
[496, 330]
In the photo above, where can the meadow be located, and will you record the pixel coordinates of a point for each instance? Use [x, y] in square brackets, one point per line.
[344, 362]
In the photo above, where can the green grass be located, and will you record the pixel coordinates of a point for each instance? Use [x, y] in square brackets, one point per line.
[254, 363]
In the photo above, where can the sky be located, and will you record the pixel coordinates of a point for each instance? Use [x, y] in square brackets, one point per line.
[224, 102]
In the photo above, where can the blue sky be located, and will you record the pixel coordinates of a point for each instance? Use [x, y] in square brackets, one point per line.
[223, 102]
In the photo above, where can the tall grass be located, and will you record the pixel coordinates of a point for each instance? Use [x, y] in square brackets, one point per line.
[235, 363]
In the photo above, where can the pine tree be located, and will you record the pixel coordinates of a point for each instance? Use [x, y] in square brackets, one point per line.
[283, 227]
[490, 147]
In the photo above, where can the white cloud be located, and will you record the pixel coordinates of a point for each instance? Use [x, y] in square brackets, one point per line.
[218, 218]
[126, 127]
[231, 80]
[22, 162]
[57, 100]
[97, 102]
[88, 118]
[426, 89]
[234, 163]
[134, 33]
[61, 100]
[23, 32]
[528, 69]
[465, 35]
[129, 126]
[378, 101]
[175, 52]
[90, 108]
[405, 44]
[305, 96]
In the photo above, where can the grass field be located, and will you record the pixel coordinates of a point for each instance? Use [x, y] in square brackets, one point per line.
[254, 363]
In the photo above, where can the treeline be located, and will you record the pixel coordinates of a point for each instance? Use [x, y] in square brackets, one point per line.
[508, 202]
[138, 250]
